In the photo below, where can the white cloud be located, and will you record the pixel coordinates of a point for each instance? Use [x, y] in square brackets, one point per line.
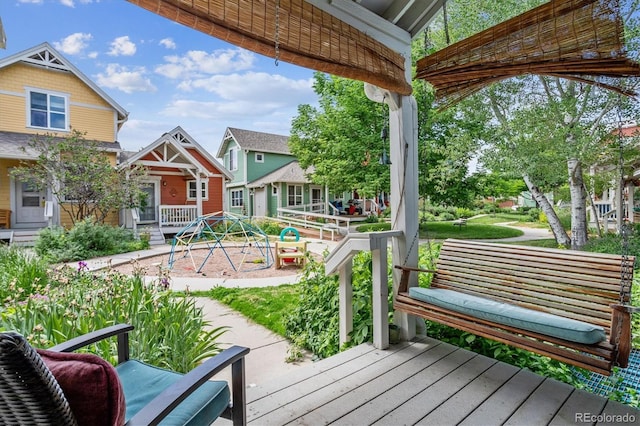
[127, 80]
[31, 1]
[122, 46]
[73, 44]
[197, 63]
[69, 3]
[257, 87]
[168, 43]
[92, 55]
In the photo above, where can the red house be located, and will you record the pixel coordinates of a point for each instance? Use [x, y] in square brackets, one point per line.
[177, 166]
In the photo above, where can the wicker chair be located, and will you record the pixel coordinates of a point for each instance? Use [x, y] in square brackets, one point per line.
[30, 394]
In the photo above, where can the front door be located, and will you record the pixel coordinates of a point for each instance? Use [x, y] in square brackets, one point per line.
[148, 213]
[29, 205]
[316, 199]
[260, 199]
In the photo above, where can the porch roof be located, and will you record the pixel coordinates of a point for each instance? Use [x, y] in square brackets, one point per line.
[289, 173]
[16, 145]
[176, 154]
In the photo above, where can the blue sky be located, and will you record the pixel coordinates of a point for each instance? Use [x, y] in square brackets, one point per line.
[164, 74]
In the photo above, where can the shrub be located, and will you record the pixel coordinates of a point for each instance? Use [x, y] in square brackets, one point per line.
[20, 273]
[314, 324]
[86, 240]
[613, 244]
[372, 219]
[463, 212]
[269, 227]
[374, 227]
[168, 330]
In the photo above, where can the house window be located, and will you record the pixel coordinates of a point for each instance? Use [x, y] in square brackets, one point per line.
[233, 160]
[259, 157]
[294, 193]
[237, 198]
[191, 190]
[47, 111]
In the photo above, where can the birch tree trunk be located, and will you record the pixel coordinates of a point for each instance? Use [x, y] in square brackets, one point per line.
[554, 222]
[578, 204]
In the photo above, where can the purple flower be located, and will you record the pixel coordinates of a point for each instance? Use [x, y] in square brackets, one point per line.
[82, 266]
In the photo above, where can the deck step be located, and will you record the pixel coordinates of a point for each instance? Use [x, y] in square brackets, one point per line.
[25, 238]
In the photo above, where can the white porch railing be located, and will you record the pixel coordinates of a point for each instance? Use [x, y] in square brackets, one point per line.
[309, 219]
[340, 261]
[177, 215]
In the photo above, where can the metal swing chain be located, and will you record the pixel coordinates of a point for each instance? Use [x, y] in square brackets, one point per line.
[626, 267]
[277, 34]
[626, 275]
[415, 238]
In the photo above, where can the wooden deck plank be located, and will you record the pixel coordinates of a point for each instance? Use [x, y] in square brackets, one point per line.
[578, 402]
[319, 378]
[422, 382]
[386, 379]
[500, 406]
[615, 413]
[542, 405]
[456, 408]
[432, 396]
[390, 398]
[323, 390]
[287, 380]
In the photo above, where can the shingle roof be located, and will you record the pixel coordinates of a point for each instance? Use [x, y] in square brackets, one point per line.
[12, 144]
[256, 141]
[289, 173]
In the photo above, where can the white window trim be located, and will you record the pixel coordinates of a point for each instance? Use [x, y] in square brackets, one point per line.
[65, 96]
[295, 195]
[241, 198]
[205, 190]
[261, 159]
[233, 153]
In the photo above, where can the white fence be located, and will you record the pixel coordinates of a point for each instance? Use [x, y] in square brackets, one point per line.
[177, 215]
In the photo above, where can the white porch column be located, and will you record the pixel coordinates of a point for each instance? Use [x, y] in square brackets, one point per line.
[345, 296]
[403, 131]
[631, 195]
[403, 136]
[380, 294]
[198, 194]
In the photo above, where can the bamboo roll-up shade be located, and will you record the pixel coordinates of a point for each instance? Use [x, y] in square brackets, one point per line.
[575, 39]
[307, 36]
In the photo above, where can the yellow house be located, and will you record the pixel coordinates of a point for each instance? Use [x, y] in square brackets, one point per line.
[41, 92]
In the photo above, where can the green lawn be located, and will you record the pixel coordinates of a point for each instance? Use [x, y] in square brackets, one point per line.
[267, 306]
[517, 219]
[443, 230]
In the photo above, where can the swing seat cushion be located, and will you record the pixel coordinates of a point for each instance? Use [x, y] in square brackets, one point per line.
[511, 315]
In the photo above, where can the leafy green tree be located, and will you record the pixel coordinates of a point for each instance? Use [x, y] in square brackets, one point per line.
[341, 138]
[81, 177]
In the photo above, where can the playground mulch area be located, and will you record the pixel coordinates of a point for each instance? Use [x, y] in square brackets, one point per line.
[232, 262]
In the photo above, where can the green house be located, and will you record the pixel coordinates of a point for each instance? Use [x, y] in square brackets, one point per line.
[266, 175]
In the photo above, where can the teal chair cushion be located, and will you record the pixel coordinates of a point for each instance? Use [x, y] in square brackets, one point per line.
[515, 316]
[143, 382]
